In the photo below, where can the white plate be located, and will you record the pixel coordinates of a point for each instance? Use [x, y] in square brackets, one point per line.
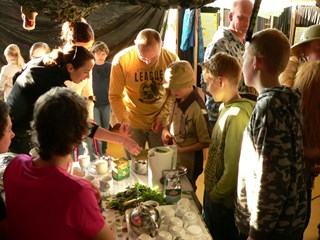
[133, 236]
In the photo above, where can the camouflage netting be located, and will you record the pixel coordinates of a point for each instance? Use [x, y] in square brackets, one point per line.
[73, 10]
[117, 24]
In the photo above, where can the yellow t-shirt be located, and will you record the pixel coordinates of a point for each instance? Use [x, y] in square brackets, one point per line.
[136, 93]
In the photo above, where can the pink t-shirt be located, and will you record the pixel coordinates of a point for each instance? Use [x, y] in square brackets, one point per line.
[49, 203]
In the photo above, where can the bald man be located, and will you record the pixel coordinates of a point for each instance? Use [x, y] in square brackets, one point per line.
[231, 40]
[139, 101]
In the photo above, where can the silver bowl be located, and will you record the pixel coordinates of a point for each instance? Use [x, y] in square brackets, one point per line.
[140, 166]
[140, 162]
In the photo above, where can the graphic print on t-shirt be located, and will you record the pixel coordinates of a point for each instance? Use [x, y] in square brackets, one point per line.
[151, 79]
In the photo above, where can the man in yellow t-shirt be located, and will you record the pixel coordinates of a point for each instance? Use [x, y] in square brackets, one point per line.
[139, 101]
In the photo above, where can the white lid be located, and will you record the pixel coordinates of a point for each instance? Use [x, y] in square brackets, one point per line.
[194, 230]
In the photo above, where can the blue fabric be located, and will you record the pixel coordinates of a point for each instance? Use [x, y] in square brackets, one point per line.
[100, 83]
[187, 37]
[102, 118]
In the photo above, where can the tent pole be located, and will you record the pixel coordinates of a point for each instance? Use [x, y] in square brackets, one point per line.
[196, 46]
[177, 30]
[293, 24]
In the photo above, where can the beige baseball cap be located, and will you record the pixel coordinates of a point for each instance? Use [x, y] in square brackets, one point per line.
[179, 74]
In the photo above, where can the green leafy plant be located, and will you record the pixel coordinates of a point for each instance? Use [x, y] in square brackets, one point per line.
[139, 192]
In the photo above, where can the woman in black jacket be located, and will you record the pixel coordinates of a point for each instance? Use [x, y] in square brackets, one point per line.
[39, 76]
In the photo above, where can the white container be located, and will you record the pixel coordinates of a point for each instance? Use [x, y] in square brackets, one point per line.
[92, 179]
[164, 235]
[175, 221]
[177, 232]
[167, 213]
[84, 161]
[151, 203]
[195, 231]
[184, 202]
[101, 166]
[189, 218]
[144, 237]
[181, 210]
[187, 237]
[106, 183]
[159, 159]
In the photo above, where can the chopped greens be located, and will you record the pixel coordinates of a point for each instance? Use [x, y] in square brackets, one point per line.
[137, 191]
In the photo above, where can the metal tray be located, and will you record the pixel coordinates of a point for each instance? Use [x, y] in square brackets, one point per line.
[133, 236]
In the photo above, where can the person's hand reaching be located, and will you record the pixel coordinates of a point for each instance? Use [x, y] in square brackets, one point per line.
[166, 137]
[157, 125]
[133, 147]
[125, 128]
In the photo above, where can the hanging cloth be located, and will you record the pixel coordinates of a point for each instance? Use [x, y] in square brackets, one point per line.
[187, 36]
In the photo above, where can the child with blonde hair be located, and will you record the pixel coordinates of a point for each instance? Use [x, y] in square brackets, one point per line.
[15, 64]
[39, 49]
[222, 74]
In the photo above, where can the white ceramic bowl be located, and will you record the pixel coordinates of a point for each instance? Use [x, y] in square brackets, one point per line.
[177, 232]
[175, 221]
[181, 210]
[167, 212]
[164, 235]
[144, 237]
[185, 202]
[195, 231]
[189, 218]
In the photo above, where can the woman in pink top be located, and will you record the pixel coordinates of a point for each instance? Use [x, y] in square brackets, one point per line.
[43, 200]
[6, 135]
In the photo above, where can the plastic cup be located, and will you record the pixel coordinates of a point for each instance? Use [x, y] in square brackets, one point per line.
[101, 167]
[105, 183]
[84, 161]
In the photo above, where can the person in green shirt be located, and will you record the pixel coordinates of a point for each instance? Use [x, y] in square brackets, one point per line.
[222, 74]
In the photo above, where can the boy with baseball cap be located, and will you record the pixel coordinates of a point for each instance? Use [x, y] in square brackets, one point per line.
[189, 127]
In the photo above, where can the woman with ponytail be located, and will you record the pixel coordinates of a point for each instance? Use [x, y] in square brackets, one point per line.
[40, 76]
[15, 64]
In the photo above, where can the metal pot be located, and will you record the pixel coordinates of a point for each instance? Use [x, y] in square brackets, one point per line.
[140, 162]
[140, 166]
[145, 219]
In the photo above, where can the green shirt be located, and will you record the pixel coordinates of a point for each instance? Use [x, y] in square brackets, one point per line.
[222, 166]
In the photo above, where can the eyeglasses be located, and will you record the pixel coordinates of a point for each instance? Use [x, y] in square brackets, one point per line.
[148, 60]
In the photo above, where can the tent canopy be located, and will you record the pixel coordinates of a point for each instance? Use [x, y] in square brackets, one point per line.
[72, 10]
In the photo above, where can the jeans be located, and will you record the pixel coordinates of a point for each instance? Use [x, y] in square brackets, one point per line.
[102, 118]
[219, 220]
[142, 137]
